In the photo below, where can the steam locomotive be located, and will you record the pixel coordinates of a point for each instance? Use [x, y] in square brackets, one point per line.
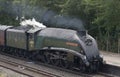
[56, 46]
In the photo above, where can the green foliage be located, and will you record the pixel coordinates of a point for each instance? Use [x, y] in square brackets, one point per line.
[7, 19]
[74, 8]
[55, 5]
[109, 15]
[102, 17]
[107, 19]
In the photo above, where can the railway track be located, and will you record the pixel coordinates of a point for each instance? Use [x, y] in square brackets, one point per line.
[25, 70]
[111, 69]
[22, 65]
[30, 71]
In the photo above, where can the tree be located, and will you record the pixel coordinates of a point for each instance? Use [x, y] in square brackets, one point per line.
[108, 15]
[74, 8]
[108, 21]
[50, 4]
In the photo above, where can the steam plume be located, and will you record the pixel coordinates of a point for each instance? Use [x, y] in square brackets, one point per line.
[43, 15]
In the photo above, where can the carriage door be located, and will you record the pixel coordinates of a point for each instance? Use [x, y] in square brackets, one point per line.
[31, 41]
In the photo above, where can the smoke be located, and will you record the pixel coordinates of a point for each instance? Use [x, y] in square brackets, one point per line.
[32, 23]
[43, 15]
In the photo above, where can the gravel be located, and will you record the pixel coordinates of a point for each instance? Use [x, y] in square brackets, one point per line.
[8, 73]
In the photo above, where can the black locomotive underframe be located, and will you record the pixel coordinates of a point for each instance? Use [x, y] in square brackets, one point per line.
[52, 57]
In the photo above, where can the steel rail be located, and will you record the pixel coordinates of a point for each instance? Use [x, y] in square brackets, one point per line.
[111, 69]
[103, 73]
[25, 70]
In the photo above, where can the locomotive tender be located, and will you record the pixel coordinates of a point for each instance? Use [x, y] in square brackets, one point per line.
[60, 47]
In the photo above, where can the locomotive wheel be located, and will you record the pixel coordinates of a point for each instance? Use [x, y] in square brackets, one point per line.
[64, 63]
[20, 54]
[28, 55]
[12, 51]
[93, 68]
[47, 59]
[53, 59]
[54, 62]
[38, 56]
[42, 56]
[82, 66]
[8, 50]
[16, 52]
[50, 59]
[24, 54]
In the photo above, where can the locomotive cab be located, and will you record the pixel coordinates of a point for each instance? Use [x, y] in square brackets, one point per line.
[32, 37]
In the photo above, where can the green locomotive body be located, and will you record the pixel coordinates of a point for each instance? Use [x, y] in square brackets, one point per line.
[53, 37]
[56, 46]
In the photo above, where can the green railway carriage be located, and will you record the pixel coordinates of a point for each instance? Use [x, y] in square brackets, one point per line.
[21, 38]
[16, 38]
[3, 28]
